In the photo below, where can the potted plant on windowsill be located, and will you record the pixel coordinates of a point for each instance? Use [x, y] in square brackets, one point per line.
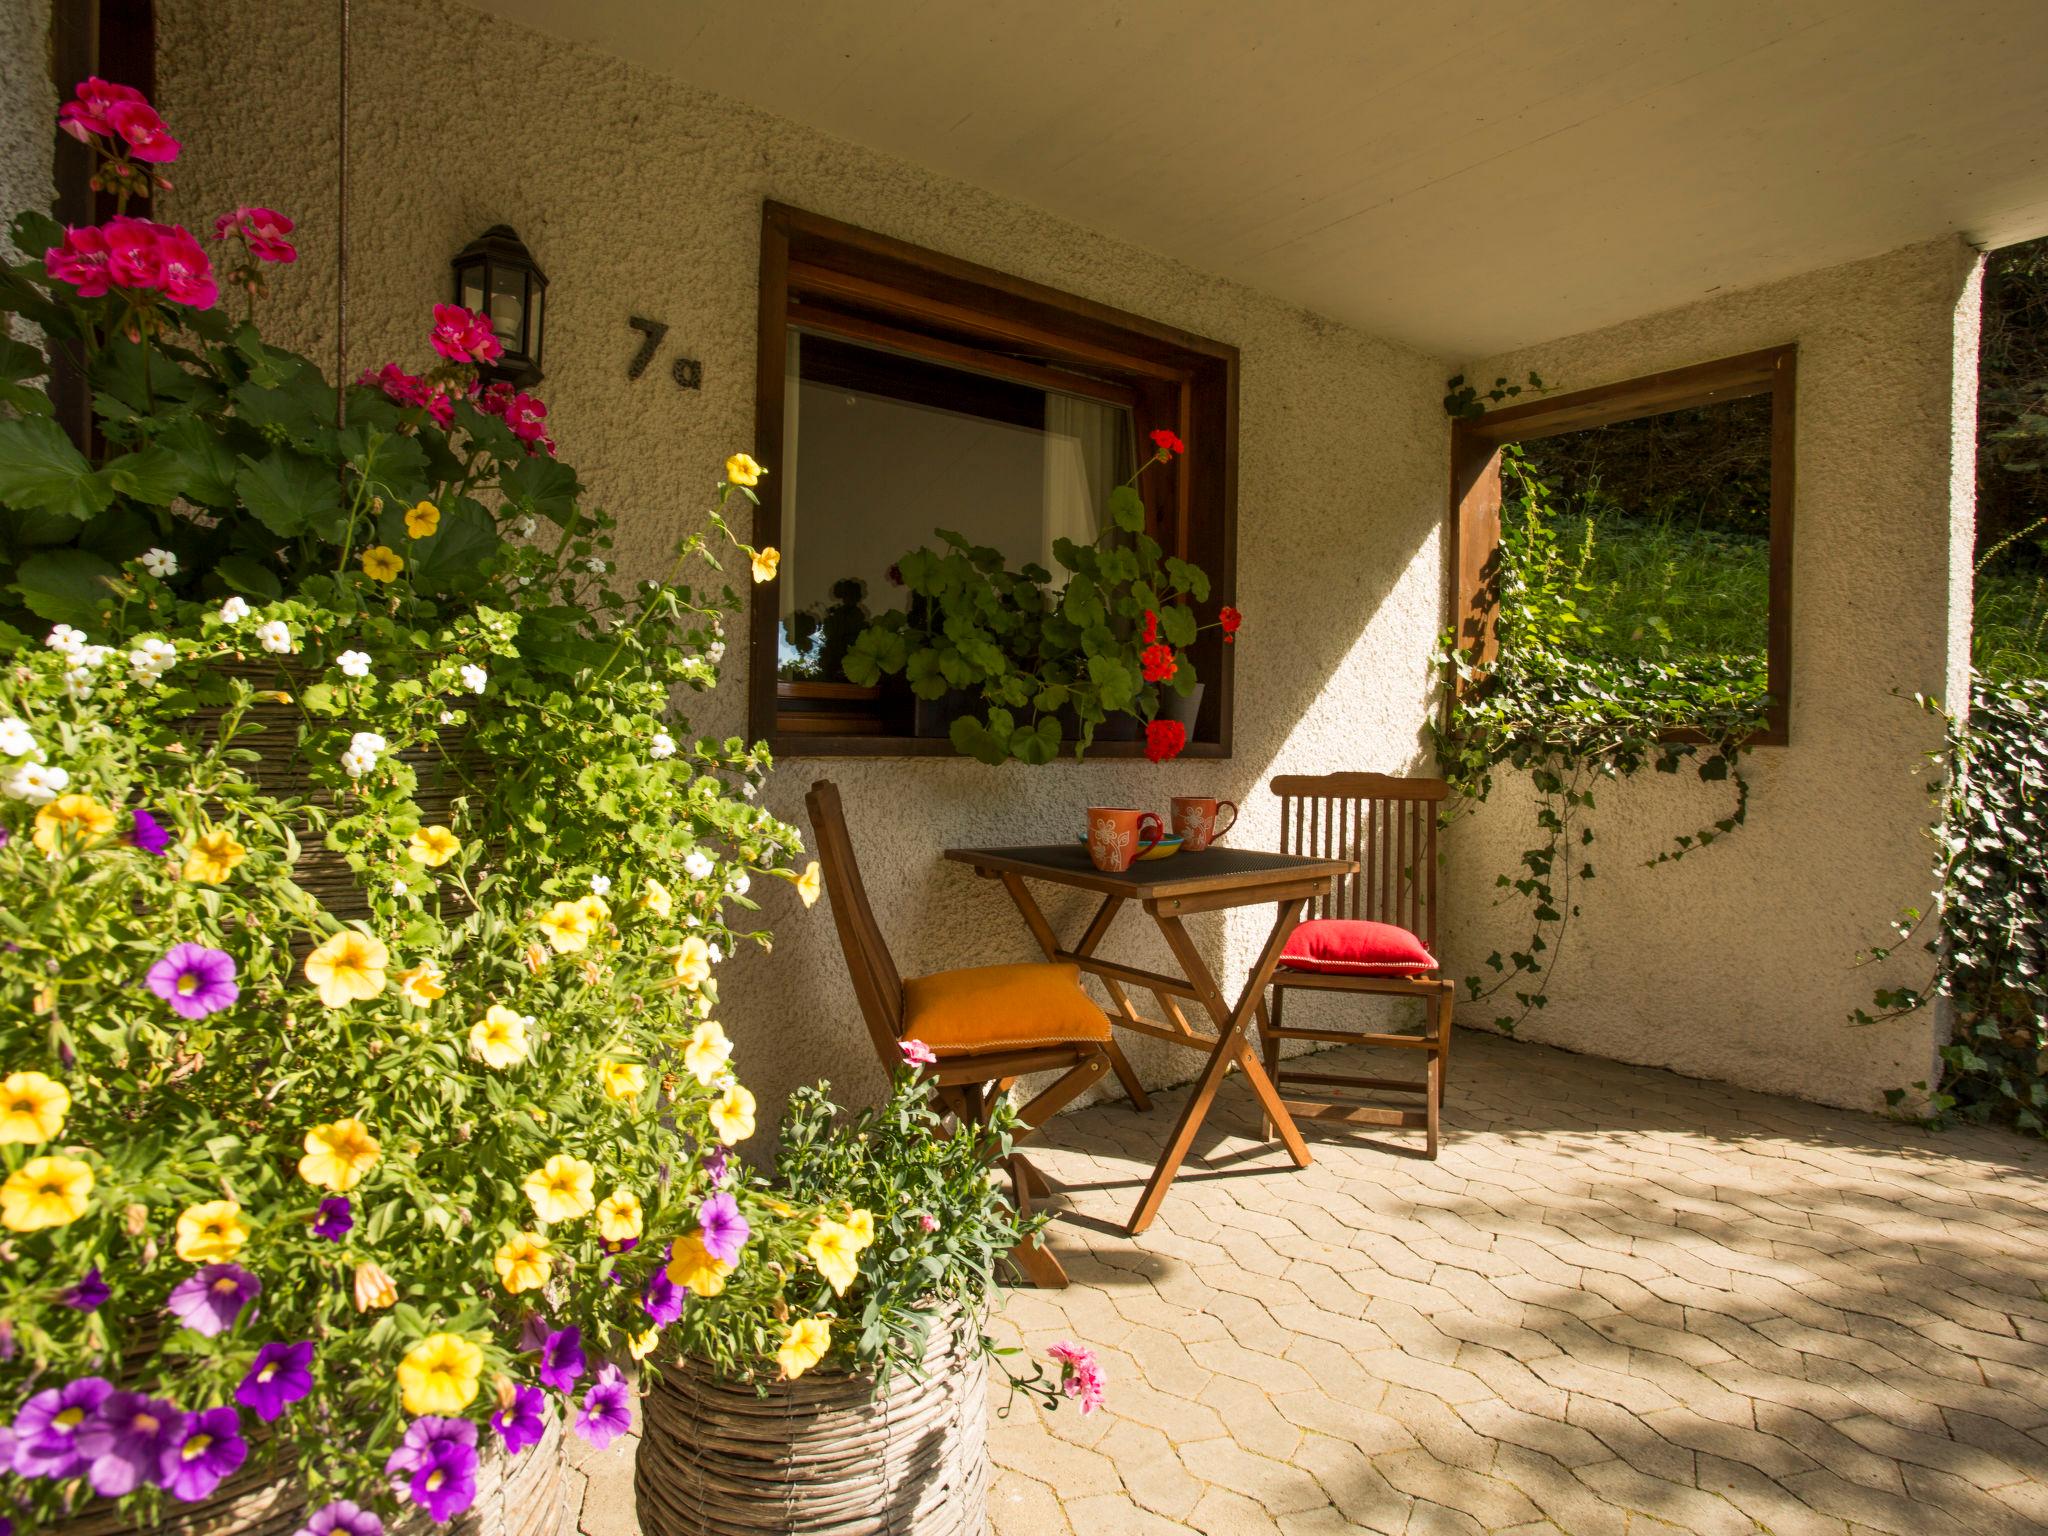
[1041, 666]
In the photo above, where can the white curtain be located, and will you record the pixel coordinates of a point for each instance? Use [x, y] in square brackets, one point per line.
[1081, 438]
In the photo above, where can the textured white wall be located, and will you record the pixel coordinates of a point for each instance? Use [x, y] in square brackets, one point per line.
[1738, 962]
[641, 196]
[28, 106]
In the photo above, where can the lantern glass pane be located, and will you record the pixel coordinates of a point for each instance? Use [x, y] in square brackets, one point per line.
[472, 281]
[508, 306]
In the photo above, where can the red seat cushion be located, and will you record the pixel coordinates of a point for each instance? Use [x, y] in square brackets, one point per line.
[1344, 946]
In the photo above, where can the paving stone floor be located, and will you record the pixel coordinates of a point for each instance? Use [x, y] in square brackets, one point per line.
[1621, 1302]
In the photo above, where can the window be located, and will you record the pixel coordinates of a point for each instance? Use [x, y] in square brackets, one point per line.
[902, 392]
[1666, 503]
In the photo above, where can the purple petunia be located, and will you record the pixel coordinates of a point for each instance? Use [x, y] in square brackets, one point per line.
[89, 1294]
[662, 1300]
[279, 1376]
[717, 1163]
[124, 1441]
[206, 1448]
[46, 1429]
[724, 1229]
[336, 1219]
[210, 1299]
[435, 1466]
[342, 1517]
[148, 834]
[607, 1408]
[561, 1359]
[195, 980]
[524, 1422]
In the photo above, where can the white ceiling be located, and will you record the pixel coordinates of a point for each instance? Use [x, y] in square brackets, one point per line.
[1462, 175]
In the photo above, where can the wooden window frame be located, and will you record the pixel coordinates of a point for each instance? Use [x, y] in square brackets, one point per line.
[1474, 554]
[819, 274]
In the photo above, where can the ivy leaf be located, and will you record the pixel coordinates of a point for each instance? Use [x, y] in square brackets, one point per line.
[40, 471]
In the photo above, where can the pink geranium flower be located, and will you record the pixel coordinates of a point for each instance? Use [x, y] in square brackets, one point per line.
[1080, 1374]
[397, 384]
[265, 230]
[87, 116]
[463, 336]
[917, 1054]
[133, 255]
[186, 272]
[148, 139]
[496, 398]
[81, 261]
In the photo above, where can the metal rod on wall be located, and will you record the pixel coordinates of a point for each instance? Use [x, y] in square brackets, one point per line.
[341, 234]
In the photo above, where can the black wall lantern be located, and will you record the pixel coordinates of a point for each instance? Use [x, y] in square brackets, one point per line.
[495, 275]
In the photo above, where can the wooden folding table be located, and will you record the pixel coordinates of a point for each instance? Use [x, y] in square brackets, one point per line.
[1169, 890]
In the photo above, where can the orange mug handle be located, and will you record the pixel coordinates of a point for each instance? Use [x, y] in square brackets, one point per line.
[1221, 807]
[1158, 834]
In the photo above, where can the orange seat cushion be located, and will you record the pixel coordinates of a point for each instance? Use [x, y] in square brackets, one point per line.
[1000, 1007]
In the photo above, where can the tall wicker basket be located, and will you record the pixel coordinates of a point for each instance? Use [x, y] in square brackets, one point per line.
[828, 1453]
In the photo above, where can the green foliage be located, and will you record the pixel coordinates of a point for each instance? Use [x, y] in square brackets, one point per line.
[1464, 401]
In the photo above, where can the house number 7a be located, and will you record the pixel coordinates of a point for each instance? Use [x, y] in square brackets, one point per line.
[688, 372]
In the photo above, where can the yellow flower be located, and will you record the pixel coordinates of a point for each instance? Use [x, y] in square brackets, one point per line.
[594, 910]
[422, 518]
[765, 561]
[381, 563]
[374, 1288]
[498, 1039]
[567, 925]
[562, 1188]
[338, 1154]
[70, 823]
[690, 1264]
[732, 1114]
[835, 1248]
[434, 846]
[524, 1263]
[862, 1225]
[693, 962]
[32, 1107]
[440, 1374]
[45, 1192]
[741, 469]
[213, 855]
[423, 984]
[619, 1216]
[623, 1081]
[641, 1345]
[348, 968]
[707, 1053]
[810, 885]
[655, 898]
[803, 1346]
[211, 1232]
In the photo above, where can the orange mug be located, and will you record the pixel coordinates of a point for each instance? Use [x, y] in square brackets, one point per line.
[1194, 818]
[1117, 837]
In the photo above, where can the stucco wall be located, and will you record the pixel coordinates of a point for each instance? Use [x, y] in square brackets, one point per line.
[639, 196]
[28, 104]
[1738, 962]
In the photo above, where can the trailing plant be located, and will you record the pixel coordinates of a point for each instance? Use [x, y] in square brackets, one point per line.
[1560, 705]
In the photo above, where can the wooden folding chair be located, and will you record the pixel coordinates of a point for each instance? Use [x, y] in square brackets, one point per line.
[1388, 825]
[988, 1025]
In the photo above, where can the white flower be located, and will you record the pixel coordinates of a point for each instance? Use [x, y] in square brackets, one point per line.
[595, 566]
[153, 656]
[16, 740]
[234, 610]
[276, 636]
[750, 790]
[356, 764]
[35, 783]
[78, 681]
[600, 885]
[717, 955]
[369, 743]
[66, 639]
[160, 563]
[525, 528]
[715, 652]
[447, 717]
[663, 745]
[474, 677]
[86, 657]
[698, 865]
[398, 887]
[738, 884]
[354, 663]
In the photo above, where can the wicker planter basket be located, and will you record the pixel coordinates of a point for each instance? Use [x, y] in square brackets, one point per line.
[823, 1454]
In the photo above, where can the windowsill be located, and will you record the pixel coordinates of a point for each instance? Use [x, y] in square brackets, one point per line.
[794, 744]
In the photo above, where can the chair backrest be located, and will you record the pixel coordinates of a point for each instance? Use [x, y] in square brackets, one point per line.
[1386, 824]
[875, 980]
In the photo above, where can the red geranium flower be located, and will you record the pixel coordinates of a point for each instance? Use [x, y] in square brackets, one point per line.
[1168, 443]
[1151, 626]
[1230, 618]
[1157, 663]
[1164, 739]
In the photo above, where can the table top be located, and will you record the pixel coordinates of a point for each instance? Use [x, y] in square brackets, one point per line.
[1184, 874]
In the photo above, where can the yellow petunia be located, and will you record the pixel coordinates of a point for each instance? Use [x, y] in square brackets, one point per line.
[211, 1232]
[741, 469]
[524, 1263]
[440, 1374]
[810, 885]
[803, 1346]
[348, 968]
[835, 1248]
[732, 1115]
[691, 1265]
[374, 1288]
[595, 911]
[423, 984]
[707, 1053]
[693, 962]
[71, 823]
[622, 1081]
[45, 1192]
[382, 563]
[567, 926]
[433, 846]
[32, 1108]
[619, 1217]
[562, 1188]
[498, 1039]
[655, 898]
[338, 1154]
[862, 1225]
[422, 520]
[214, 854]
[765, 561]
[641, 1345]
